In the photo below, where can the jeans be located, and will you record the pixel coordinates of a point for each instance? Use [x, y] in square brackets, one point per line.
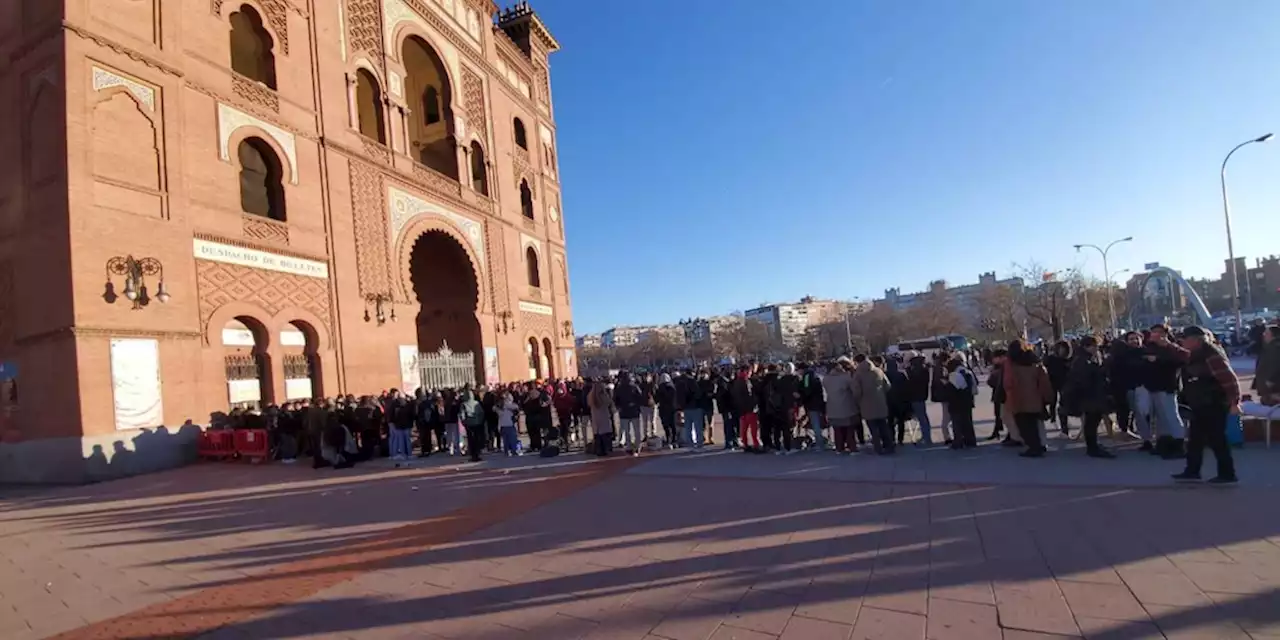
[816, 421]
[401, 442]
[669, 427]
[455, 438]
[730, 429]
[1090, 423]
[946, 422]
[921, 412]
[693, 427]
[646, 422]
[1164, 406]
[630, 435]
[1140, 404]
[510, 440]
[881, 435]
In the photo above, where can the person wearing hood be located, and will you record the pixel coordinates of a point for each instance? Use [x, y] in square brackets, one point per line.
[471, 416]
[814, 400]
[964, 386]
[1085, 393]
[1266, 378]
[648, 389]
[600, 400]
[899, 396]
[842, 405]
[1027, 392]
[871, 393]
[1212, 392]
[918, 381]
[742, 394]
[1058, 363]
[628, 398]
[665, 397]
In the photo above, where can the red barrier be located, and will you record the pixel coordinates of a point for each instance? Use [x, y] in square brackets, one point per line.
[216, 444]
[253, 444]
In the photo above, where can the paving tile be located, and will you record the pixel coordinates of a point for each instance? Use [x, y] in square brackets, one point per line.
[1019, 634]
[1105, 601]
[879, 624]
[1222, 577]
[800, 628]
[1194, 623]
[692, 620]
[726, 632]
[1097, 628]
[1035, 607]
[764, 610]
[1164, 589]
[837, 601]
[952, 620]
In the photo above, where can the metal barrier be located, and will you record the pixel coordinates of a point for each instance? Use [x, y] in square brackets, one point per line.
[216, 444]
[253, 444]
[446, 369]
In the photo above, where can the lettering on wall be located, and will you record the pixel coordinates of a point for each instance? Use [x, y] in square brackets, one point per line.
[231, 254]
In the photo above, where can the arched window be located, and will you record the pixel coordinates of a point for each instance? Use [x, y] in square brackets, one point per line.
[251, 45]
[431, 104]
[369, 107]
[522, 138]
[479, 170]
[531, 264]
[261, 180]
[526, 199]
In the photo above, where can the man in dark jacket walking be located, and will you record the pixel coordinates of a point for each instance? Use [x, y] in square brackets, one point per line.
[1059, 364]
[1212, 392]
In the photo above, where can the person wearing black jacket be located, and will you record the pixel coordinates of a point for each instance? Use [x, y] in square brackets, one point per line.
[667, 398]
[777, 416]
[995, 380]
[939, 392]
[648, 389]
[1058, 364]
[689, 403]
[899, 398]
[1162, 380]
[814, 400]
[918, 382]
[1086, 393]
[728, 414]
[628, 398]
[1127, 372]
[707, 387]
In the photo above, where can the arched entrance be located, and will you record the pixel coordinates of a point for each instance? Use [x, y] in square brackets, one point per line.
[248, 366]
[299, 344]
[535, 358]
[430, 96]
[444, 282]
[549, 353]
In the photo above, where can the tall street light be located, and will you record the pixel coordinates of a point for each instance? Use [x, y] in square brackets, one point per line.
[1111, 307]
[1231, 252]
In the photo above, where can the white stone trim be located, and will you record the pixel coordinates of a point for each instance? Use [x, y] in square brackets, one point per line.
[403, 207]
[245, 257]
[527, 240]
[230, 119]
[106, 79]
[342, 28]
[394, 84]
[533, 307]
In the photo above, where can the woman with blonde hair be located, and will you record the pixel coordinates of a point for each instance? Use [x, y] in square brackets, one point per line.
[600, 401]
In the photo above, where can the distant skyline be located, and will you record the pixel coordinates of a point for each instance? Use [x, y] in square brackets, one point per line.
[901, 143]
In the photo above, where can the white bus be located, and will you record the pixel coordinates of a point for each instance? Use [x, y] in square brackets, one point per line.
[929, 346]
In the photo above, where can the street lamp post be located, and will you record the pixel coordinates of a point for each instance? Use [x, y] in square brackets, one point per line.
[1231, 252]
[1111, 307]
[1110, 292]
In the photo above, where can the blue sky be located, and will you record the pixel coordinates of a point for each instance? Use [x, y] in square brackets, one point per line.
[716, 155]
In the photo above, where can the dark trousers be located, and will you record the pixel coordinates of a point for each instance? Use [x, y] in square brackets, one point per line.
[604, 444]
[424, 440]
[475, 440]
[881, 435]
[844, 437]
[776, 431]
[1056, 412]
[898, 421]
[1091, 421]
[1209, 428]
[669, 429]
[1029, 428]
[1124, 413]
[730, 429]
[859, 431]
[999, 426]
[534, 428]
[962, 426]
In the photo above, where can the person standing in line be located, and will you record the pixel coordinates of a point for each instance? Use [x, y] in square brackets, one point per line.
[813, 399]
[842, 406]
[1085, 393]
[1058, 364]
[667, 403]
[1027, 393]
[1266, 378]
[690, 395]
[995, 380]
[601, 403]
[628, 398]
[870, 392]
[918, 383]
[1212, 392]
[899, 396]
[471, 416]
[964, 386]
[728, 413]
[743, 396]
[707, 389]
[562, 402]
[401, 429]
[938, 393]
[1164, 363]
[648, 392]
[507, 410]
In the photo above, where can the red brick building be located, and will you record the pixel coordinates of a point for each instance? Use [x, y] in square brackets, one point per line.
[208, 202]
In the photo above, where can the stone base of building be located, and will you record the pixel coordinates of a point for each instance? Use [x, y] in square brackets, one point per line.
[82, 460]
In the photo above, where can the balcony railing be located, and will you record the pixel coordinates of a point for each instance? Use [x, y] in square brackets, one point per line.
[436, 180]
[264, 229]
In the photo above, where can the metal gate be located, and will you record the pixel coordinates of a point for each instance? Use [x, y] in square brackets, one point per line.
[445, 369]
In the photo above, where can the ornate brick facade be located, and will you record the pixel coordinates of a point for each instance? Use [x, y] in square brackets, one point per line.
[256, 200]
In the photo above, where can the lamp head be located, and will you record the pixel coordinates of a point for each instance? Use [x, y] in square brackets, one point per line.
[1127, 239]
[1265, 137]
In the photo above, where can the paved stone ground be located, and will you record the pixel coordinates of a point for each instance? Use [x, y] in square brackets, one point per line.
[927, 544]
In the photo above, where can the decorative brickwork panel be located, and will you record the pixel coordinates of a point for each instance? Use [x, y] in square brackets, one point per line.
[220, 283]
[497, 266]
[538, 324]
[255, 93]
[277, 16]
[544, 84]
[473, 98]
[367, 207]
[265, 230]
[364, 30]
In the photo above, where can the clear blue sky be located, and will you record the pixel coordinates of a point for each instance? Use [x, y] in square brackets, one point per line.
[716, 155]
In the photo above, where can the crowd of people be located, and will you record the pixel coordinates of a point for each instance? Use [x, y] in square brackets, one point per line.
[1173, 393]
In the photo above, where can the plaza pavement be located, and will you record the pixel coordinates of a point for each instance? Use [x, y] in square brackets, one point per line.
[688, 545]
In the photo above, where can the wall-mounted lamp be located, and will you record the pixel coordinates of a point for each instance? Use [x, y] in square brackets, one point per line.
[135, 272]
[380, 304]
[503, 321]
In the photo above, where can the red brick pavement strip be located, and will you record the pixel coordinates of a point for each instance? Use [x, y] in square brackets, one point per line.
[207, 610]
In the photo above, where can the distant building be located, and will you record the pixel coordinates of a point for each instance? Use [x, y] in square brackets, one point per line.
[965, 299]
[588, 341]
[622, 336]
[787, 322]
[672, 333]
[701, 330]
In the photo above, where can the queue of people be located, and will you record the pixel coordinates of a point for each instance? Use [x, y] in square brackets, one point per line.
[1172, 393]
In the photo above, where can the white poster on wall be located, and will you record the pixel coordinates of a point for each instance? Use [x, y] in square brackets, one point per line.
[244, 391]
[297, 388]
[409, 379]
[135, 383]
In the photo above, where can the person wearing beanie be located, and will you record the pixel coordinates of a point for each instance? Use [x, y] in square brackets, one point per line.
[1212, 392]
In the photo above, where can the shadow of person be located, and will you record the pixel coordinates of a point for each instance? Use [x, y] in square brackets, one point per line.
[122, 459]
[96, 465]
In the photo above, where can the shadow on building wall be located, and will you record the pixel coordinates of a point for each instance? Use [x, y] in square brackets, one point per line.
[97, 458]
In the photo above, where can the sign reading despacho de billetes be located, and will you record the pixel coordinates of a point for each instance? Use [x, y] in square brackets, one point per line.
[231, 254]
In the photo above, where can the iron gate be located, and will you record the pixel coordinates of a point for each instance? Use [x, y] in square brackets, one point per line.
[445, 369]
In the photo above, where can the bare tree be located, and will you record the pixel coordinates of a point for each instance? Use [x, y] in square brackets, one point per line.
[880, 327]
[935, 315]
[1000, 311]
[750, 339]
[1044, 298]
